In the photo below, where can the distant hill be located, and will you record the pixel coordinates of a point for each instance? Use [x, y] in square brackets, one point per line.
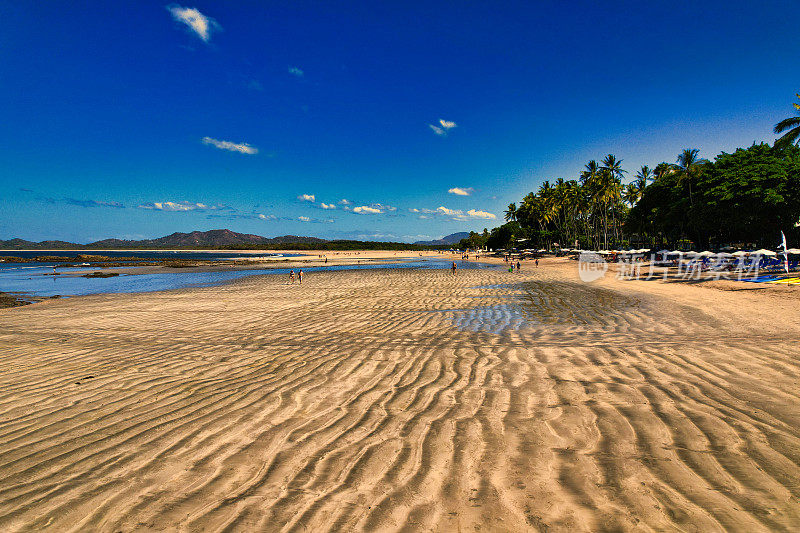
[447, 240]
[215, 239]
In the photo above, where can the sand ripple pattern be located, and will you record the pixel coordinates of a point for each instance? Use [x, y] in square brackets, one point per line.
[366, 401]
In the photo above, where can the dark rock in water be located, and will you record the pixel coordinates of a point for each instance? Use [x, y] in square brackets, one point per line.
[101, 275]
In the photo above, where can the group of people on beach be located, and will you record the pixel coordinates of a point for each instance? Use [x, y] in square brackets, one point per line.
[299, 276]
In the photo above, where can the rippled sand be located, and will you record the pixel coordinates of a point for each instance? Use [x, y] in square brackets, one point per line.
[389, 400]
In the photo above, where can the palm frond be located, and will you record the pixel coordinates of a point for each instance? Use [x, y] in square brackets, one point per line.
[787, 123]
[788, 139]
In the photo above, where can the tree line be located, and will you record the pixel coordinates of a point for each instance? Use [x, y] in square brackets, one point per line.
[742, 198]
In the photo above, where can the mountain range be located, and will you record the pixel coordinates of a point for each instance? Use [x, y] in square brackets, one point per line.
[218, 238]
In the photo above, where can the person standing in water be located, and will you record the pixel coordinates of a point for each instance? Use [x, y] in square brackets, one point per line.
[291, 277]
[453, 268]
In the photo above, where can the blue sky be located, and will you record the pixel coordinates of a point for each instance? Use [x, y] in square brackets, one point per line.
[380, 120]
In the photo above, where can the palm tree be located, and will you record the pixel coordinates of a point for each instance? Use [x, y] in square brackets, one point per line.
[661, 171]
[792, 124]
[611, 190]
[631, 194]
[511, 212]
[644, 176]
[688, 166]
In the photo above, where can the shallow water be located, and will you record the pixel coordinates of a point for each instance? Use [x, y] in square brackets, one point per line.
[33, 280]
[537, 303]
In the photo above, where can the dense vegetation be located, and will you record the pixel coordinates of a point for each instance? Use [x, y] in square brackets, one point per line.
[742, 198]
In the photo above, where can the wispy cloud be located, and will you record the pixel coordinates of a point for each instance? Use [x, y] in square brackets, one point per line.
[267, 217]
[461, 191]
[367, 210]
[442, 127]
[296, 71]
[449, 212]
[307, 198]
[181, 206]
[242, 148]
[437, 130]
[200, 24]
[345, 201]
[323, 205]
[304, 219]
[93, 203]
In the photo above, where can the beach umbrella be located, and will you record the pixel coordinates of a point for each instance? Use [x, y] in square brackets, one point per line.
[690, 253]
[794, 251]
[764, 251]
[642, 250]
[740, 253]
[724, 254]
[706, 253]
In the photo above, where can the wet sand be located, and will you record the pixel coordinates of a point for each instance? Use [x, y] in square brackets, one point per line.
[403, 400]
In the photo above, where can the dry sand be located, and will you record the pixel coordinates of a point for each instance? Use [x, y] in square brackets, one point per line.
[403, 400]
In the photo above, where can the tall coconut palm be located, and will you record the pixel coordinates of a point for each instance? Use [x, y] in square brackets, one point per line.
[688, 166]
[612, 188]
[511, 212]
[791, 126]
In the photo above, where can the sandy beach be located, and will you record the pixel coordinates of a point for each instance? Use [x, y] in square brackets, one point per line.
[387, 400]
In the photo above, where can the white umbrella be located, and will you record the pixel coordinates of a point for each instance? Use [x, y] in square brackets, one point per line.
[724, 254]
[764, 251]
[705, 253]
[691, 253]
[793, 250]
[642, 250]
[739, 253]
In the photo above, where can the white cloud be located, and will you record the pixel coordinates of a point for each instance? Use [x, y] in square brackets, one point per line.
[461, 191]
[455, 214]
[242, 148]
[383, 207]
[200, 24]
[481, 214]
[296, 71]
[449, 212]
[344, 201]
[327, 206]
[304, 219]
[307, 198]
[367, 210]
[178, 206]
[267, 217]
[443, 127]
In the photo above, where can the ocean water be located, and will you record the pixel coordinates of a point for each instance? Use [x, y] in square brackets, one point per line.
[145, 254]
[36, 280]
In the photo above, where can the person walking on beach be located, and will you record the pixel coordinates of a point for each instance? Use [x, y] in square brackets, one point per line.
[300, 276]
[519, 265]
[291, 277]
[537, 262]
[453, 268]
